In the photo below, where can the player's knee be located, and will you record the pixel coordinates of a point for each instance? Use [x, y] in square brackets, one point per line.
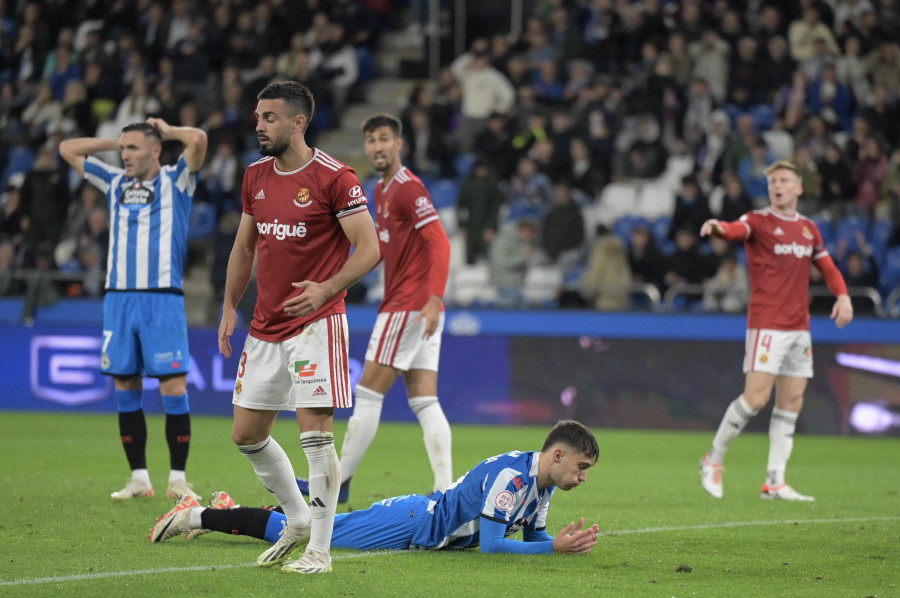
[128, 400]
[176, 405]
[417, 404]
[365, 395]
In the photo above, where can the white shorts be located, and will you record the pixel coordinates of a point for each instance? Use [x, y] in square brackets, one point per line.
[779, 352]
[397, 342]
[308, 370]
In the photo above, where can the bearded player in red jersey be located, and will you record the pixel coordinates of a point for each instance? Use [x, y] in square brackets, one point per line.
[303, 210]
[406, 339]
[781, 244]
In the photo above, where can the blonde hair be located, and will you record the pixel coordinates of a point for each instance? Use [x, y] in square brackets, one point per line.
[782, 165]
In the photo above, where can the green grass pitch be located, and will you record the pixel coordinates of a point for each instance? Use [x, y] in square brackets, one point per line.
[661, 535]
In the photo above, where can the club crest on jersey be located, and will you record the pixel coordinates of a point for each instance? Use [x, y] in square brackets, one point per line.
[504, 500]
[807, 233]
[302, 200]
[136, 195]
[763, 358]
[384, 236]
[238, 387]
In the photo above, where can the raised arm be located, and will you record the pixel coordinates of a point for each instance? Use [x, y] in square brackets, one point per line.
[74, 151]
[194, 141]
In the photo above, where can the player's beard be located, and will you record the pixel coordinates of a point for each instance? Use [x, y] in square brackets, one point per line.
[276, 147]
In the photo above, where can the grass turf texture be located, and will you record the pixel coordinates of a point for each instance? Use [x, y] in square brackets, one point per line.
[661, 535]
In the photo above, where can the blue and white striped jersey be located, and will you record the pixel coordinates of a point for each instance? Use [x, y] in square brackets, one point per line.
[148, 224]
[503, 488]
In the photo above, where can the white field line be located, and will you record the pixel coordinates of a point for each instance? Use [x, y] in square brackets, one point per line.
[646, 530]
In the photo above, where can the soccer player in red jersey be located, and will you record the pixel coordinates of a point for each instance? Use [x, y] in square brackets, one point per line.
[781, 244]
[406, 338]
[303, 210]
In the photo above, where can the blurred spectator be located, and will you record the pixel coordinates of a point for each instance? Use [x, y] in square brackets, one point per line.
[563, 228]
[792, 101]
[43, 111]
[814, 135]
[190, 55]
[534, 129]
[813, 65]
[645, 259]
[710, 154]
[739, 143]
[549, 162]
[494, 146]
[691, 207]
[883, 115]
[869, 173]
[889, 208]
[752, 172]
[831, 100]
[484, 91]
[710, 56]
[607, 278]
[860, 131]
[836, 178]
[45, 201]
[581, 73]
[137, 105]
[566, 37]
[76, 109]
[13, 223]
[698, 113]
[78, 215]
[803, 34]
[9, 284]
[477, 207]
[850, 70]
[340, 70]
[680, 64]
[547, 83]
[860, 269]
[583, 173]
[729, 201]
[646, 157]
[530, 192]
[746, 81]
[425, 149]
[509, 256]
[40, 287]
[685, 265]
[883, 66]
[220, 176]
[729, 289]
[769, 24]
[776, 66]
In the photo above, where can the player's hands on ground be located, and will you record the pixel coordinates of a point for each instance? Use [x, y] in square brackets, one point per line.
[710, 227]
[842, 312]
[310, 298]
[162, 126]
[572, 539]
[226, 328]
[431, 313]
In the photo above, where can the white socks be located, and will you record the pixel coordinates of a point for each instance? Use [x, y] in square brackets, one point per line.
[736, 417]
[324, 484]
[436, 433]
[274, 470]
[140, 475]
[361, 429]
[781, 443]
[176, 476]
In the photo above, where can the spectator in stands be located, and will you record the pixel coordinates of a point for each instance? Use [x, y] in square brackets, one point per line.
[883, 115]
[565, 35]
[730, 201]
[698, 113]
[426, 151]
[509, 256]
[860, 269]
[710, 56]
[78, 216]
[41, 289]
[423, 97]
[729, 288]
[45, 201]
[646, 157]
[583, 173]
[812, 66]
[340, 69]
[563, 229]
[13, 223]
[883, 66]
[484, 91]
[740, 142]
[535, 128]
[530, 192]
[831, 100]
[803, 34]
[581, 74]
[685, 265]
[710, 164]
[850, 70]
[691, 207]
[477, 209]
[645, 259]
[814, 135]
[9, 284]
[220, 177]
[76, 109]
[137, 105]
[746, 80]
[751, 171]
[777, 67]
[547, 83]
[869, 173]
[836, 180]
[680, 64]
[494, 146]
[549, 162]
[43, 111]
[889, 208]
[605, 283]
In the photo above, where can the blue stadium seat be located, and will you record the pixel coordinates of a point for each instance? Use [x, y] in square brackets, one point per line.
[19, 158]
[202, 222]
[444, 193]
[845, 230]
[463, 164]
[626, 224]
[660, 230]
[890, 271]
[879, 234]
[825, 228]
[763, 116]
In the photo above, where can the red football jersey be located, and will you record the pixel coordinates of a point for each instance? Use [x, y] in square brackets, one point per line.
[300, 237]
[779, 253]
[402, 208]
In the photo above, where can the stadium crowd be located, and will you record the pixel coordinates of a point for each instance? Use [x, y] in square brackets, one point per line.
[573, 164]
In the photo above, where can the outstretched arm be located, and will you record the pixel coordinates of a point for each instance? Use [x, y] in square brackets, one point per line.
[74, 151]
[730, 231]
[572, 539]
[194, 141]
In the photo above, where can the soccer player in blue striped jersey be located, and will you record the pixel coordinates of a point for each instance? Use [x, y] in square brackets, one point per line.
[144, 323]
[496, 498]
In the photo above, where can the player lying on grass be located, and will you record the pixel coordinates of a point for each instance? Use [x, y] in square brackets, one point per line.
[498, 497]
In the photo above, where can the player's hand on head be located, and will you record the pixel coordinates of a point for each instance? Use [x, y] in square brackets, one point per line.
[161, 126]
[573, 539]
